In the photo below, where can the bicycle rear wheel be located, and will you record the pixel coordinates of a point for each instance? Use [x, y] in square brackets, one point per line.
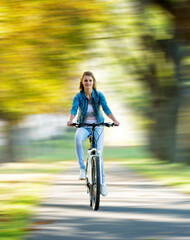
[95, 187]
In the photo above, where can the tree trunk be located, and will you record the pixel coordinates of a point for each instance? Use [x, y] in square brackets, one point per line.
[183, 129]
[10, 150]
[163, 132]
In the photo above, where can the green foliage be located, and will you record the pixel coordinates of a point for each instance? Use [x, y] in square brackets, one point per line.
[42, 42]
[19, 196]
[136, 33]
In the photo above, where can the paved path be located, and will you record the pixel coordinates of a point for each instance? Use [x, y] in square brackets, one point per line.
[135, 208]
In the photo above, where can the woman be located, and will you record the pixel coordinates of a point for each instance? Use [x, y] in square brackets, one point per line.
[88, 101]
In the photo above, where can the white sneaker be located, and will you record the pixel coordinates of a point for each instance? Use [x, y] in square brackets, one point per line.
[104, 190]
[82, 174]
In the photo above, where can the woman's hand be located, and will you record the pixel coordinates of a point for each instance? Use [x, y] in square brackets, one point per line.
[111, 116]
[69, 123]
[71, 117]
[116, 123]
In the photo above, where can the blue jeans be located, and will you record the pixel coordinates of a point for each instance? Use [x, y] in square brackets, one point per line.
[82, 134]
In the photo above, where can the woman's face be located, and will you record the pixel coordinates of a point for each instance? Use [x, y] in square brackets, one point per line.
[87, 82]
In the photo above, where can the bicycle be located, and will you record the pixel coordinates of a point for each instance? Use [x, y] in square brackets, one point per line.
[93, 166]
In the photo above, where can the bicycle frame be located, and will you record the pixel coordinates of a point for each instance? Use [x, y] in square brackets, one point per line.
[92, 152]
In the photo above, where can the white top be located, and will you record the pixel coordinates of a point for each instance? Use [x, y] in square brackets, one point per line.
[90, 116]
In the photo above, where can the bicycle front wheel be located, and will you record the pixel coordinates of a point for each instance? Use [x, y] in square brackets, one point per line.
[95, 187]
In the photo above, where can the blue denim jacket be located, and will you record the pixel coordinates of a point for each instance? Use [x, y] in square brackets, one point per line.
[80, 102]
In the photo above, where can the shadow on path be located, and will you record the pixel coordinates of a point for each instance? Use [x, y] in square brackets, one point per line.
[133, 210]
[173, 212]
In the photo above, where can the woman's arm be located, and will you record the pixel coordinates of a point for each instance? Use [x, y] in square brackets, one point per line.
[73, 110]
[107, 110]
[111, 116]
[70, 121]
[104, 104]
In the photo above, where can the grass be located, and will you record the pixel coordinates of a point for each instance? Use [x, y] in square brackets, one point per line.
[15, 214]
[21, 188]
[138, 158]
[64, 149]
[172, 174]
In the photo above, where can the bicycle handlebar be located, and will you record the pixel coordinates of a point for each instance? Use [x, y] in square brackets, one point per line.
[78, 125]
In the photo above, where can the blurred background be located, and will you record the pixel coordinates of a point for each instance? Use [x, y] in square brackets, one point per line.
[139, 52]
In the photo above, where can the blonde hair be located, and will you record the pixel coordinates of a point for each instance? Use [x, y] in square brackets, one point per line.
[87, 73]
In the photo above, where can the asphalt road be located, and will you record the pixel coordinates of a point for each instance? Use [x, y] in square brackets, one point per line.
[135, 208]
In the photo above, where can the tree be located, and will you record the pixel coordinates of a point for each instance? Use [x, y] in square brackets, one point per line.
[42, 43]
[168, 92]
[150, 40]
